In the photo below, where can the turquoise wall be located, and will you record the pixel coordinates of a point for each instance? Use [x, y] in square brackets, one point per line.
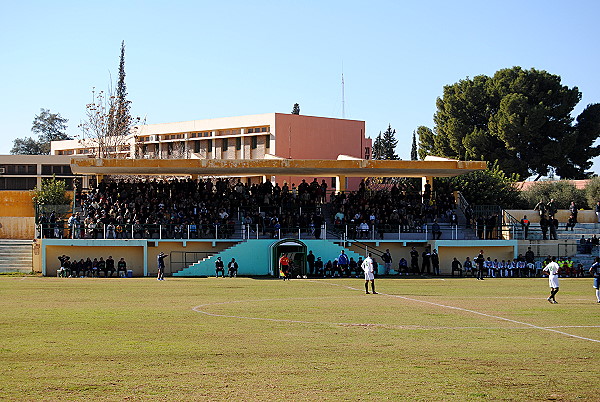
[254, 257]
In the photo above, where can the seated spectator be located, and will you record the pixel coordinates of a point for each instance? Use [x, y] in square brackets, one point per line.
[457, 267]
[468, 267]
[122, 268]
[102, 266]
[402, 266]
[232, 268]
[95, 269]
[110, 266]
[319, 267]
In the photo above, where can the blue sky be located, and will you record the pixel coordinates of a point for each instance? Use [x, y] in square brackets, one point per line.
[188, 60]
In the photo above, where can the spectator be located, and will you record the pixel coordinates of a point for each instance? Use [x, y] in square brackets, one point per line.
[525, 225]
[468, 266]
[110, 266]
[457, 267]
[319, 267]
[387, 262]
[121, 267]
[343, 262]
[402, 266]
[436, 231]
[102, 266]
[232, 268]
[220, 267]
[435, 262]
[310, 260]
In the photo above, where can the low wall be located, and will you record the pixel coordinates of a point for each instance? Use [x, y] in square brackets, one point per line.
[585, 216]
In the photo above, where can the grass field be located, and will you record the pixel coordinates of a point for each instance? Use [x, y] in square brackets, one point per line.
[261, 339]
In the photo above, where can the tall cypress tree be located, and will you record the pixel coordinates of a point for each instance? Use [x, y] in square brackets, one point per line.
[413, 152]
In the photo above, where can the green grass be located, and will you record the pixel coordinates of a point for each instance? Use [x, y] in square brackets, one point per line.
[258, 339]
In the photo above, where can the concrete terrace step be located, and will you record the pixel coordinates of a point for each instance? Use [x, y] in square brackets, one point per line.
[16, 255]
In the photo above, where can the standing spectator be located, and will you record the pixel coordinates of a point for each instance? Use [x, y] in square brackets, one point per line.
[595, 272]
[553, 227]
[426, 266]
[552, 270]
[598, 211]
[525, 224]
[480, 260]
[436, 231]
[541, 208]
[414, 260]
[551, 207]
[387, 261]
[573, 210]
[544, 223]
[435, 262]
[219, 267]
[310, 260]
[343, 263]
[122, 267]
[232, 268]
[160, 259]
[367, 267]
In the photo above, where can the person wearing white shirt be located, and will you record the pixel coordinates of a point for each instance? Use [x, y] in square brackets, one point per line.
[367, 267]
[552, 269]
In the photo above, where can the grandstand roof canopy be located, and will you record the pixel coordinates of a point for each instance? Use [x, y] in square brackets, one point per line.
[343, 166]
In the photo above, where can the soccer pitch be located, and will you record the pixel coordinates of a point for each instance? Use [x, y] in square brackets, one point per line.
[265, 339]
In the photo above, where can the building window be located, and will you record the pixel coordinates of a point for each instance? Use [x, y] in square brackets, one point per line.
[225, 144]
[17, 183]
[253, 142]
[267, 141]
[196, 146]
[209, 146]
[238, 143]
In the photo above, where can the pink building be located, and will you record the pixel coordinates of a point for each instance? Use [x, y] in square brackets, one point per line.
[263, 136]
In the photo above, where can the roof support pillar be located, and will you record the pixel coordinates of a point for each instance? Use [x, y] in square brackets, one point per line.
[341, 182]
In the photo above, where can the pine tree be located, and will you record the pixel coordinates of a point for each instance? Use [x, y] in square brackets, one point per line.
[377, 148]
[296, 109]
[413, 152]
[388, 144]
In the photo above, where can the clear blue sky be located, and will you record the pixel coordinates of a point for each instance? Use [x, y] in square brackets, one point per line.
[188, 60]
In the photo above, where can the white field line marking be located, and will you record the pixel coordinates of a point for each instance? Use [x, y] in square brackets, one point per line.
[199, 309]
[551, 329]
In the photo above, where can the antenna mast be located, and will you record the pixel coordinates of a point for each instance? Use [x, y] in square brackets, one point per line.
[343, 99]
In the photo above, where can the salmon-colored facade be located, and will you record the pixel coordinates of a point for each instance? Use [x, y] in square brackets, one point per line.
[308, 137]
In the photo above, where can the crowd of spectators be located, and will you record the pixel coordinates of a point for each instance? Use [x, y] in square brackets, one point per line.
[203, 208]
[396, 208]
[182, 208]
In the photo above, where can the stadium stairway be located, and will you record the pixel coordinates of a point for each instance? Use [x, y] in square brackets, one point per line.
[16, 256]
[254, 257]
